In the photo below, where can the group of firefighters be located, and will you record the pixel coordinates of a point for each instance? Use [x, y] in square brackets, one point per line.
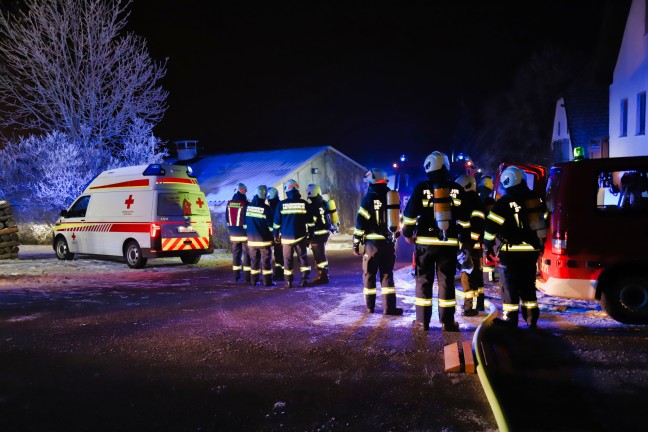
[266, 231]
[452, 223]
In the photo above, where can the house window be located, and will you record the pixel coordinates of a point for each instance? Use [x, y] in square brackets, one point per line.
[558, 128]
[641, 113]
[623, 127]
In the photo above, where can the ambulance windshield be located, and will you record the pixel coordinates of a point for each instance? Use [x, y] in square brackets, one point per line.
[182, 204]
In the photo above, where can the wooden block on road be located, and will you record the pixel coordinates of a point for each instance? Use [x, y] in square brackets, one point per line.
[469, 359]
[451, 357]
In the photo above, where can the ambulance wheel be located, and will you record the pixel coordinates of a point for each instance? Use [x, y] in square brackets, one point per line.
[626, 301]
[62, 249]
[133, 255]
[190, 258]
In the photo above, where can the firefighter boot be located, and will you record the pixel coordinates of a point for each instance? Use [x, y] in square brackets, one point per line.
[423, 317]
[254, 280]
[289, 281]
[389, 305]
[468, 309]
[509, 319]
[370, 302]
[247, 276]
[267, 280]
[531, 316]
[480, 302]
[304, 279]
[322, 276]
[278, 274]
[237, 276]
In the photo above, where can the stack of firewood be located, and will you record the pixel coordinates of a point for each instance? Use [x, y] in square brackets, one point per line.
[9, 239]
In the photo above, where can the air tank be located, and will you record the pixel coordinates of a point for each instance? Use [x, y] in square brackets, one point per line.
[442, 209]
[393, 211]
[332, 210]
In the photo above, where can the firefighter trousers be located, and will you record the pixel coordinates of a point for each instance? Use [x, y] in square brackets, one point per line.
[442, 262]
[473, 283]
[241, 260]
[319, 253]
[379, 258]
[301, 250]
[518, 284]
[261, 264]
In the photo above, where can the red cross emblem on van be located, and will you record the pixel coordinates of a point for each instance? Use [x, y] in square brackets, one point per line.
[129, 201]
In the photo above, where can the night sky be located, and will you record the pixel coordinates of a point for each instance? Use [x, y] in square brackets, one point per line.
[374, 79]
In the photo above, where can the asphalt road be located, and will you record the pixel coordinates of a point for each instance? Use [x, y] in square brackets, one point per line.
[91, 345]
[173, 347]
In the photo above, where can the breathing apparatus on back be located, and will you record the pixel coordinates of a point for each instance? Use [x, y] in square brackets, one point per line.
[442, 200]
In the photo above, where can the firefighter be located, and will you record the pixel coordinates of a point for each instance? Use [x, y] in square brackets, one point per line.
[291, 221]
[379, 244]
[472, 279]
[258, 221]
[322, 228]
[235, 217]
[273, 202]
[514, 232]
[435, 221]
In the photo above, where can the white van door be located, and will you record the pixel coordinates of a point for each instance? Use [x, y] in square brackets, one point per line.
[75, 223]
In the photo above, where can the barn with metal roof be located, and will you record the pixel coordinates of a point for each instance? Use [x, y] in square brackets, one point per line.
[340, 177]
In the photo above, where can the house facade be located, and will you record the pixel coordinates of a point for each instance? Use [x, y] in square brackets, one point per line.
[627, 106]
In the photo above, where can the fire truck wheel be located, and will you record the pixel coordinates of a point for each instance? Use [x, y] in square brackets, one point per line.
[62, 249]
[133, 255]
[190, 258]
[627, 300]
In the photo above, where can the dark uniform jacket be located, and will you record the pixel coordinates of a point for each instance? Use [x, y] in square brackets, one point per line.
[475, 208]
[258, 220]
[419, 218]
[371, 220]
[508, 221]
[292, 218]
[235, 217]
[321, 221]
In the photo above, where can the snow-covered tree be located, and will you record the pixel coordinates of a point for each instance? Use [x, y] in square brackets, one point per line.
[68, 66]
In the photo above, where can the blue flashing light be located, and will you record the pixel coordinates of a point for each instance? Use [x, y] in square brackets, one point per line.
[154, 170]
[403, 158]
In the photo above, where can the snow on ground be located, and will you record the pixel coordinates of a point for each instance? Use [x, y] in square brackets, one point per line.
[38, 264]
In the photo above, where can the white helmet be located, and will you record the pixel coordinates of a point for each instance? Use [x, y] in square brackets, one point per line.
[290, 185]
[435, 161]
[313, 190]
[241, 188]
[262, 192]
[511, 176]
[375, 175]
[272, 193]
[467, 182]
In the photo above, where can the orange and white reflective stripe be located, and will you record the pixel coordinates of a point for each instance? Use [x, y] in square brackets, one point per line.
[184, 243]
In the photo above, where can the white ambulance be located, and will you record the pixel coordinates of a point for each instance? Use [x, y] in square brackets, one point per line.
[138, 212]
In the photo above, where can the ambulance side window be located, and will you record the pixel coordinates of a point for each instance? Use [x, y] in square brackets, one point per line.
[80, 207]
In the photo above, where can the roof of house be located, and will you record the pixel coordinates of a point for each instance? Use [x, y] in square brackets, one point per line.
[219, 174]
[587, 108]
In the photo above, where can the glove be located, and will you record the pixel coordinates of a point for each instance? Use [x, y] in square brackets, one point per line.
[397, 234]
[356, 249]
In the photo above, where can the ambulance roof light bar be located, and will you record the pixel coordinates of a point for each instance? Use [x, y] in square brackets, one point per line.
[154, 170]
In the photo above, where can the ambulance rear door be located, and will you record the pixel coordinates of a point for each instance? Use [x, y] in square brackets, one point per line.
[184, 220]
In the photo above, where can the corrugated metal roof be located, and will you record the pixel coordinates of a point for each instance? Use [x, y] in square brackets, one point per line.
[218, 175]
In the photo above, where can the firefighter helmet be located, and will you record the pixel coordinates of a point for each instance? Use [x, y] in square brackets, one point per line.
[313, 190]
[290, 185]
[467, 182]
[487, 182]
[375, 175]
[262, 192]
[511, 176]
[241, 188]
[435, 161]
[272, 193]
